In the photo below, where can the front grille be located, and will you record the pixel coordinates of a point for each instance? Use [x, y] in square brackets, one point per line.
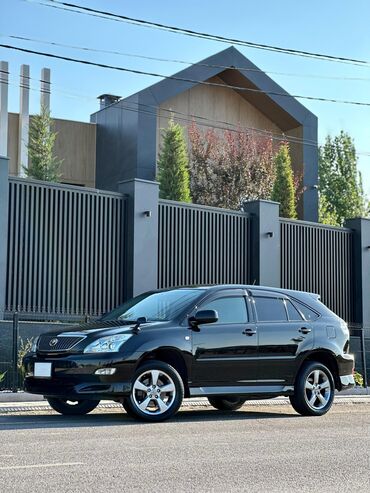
[51, 344]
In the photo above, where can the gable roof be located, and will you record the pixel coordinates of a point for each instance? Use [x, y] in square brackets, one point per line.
[234, 69]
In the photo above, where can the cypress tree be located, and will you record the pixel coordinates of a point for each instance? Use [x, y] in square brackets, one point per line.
[173, 165]
[284, 190]
[43, 165]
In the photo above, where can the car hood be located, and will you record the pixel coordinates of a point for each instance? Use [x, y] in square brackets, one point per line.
[102, 328]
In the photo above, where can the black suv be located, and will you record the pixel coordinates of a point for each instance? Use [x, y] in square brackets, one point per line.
[228, 343]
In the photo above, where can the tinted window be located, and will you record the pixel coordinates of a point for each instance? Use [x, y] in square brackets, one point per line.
[270, 309]
[293, 313]
[231, 310]
[307, 312]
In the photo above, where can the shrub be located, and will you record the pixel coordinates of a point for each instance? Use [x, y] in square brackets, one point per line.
[359, 379]
[230, 167]
[24, 348]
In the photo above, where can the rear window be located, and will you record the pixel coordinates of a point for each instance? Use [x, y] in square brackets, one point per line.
[270, 309]
[293, 313]
[306, 312]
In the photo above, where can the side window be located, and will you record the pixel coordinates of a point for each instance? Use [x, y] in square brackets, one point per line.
[270, 309]
[231, 310]
[293, 313]
[307, 312]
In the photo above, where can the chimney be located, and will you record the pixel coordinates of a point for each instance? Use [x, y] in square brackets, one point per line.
[24, 119]
[107, 100]
[4, 77]
[45, 89]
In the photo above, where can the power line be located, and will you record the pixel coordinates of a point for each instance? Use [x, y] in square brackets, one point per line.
[174, 77]
[207, 121]
[183, 117]
[175, 60]
[71, 7]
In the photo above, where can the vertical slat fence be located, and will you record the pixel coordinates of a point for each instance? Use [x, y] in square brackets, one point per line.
[65, 249]
[318, 259]
[202, 245]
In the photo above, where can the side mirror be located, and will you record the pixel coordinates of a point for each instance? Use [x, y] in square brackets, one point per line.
[203, 317]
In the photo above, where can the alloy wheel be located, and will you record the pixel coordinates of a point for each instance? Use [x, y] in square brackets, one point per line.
[154, 392]
[317, 389]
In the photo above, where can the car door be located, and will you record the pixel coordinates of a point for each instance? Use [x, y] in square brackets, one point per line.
[224, 353]
[283, 334]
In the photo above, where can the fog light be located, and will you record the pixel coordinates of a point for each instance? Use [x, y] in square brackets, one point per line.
[105, 371]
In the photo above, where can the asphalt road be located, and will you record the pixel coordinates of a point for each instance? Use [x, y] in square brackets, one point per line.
[256, 449]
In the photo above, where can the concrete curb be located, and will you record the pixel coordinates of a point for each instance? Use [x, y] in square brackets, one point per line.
[42, 405]
[12, 397]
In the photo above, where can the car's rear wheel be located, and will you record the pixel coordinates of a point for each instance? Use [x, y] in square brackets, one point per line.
[156, 394]
[314, 390]
[224, 403]
[71, 407]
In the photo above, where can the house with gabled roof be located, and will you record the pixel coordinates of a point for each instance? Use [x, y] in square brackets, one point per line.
[226, 88]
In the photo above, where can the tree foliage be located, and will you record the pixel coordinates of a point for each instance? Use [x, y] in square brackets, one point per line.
[284, 190]
[228, 168]
[341, 194]
[173, 165]
[43, 165]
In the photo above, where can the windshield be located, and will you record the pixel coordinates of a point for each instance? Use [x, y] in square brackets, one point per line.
[155, 307]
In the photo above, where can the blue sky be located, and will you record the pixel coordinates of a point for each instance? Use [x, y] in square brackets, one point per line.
[332, 27]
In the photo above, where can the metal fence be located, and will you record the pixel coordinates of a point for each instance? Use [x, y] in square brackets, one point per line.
[65, 249]
[202, 245]
[319, 259]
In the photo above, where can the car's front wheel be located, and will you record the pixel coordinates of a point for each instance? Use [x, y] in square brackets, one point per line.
[70, 407]
[314, 390]
[156, 394]
[226, 403]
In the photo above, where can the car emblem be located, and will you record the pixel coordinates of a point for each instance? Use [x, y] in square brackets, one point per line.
[53, 342]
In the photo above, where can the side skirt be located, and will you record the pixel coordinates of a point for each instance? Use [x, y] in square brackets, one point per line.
[242, 390]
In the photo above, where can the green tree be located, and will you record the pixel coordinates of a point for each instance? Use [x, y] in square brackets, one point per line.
[43, 165]
[340, 183]
[284, 190]
[173, 165]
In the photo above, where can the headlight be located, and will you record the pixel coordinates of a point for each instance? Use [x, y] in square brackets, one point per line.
[34, 344]
[109, 344]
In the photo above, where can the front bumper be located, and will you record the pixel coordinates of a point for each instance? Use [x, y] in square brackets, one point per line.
[73, 376]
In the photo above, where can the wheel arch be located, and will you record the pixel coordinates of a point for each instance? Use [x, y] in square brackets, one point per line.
[327, 358]
[171, 356]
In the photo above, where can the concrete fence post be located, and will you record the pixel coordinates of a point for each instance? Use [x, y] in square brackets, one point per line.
[265, 242]
[4, 205]
[361, 288]
[361, 269]
[141, 272]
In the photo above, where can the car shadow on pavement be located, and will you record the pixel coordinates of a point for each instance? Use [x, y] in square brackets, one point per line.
[39, 421]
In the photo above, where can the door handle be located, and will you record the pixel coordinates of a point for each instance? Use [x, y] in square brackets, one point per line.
[298, 339]
[304, 330]
[249, 332]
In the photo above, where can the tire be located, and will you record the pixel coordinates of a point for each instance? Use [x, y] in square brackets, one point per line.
[147, 400]
[313, 390]
[225, 403]
[71, 408]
